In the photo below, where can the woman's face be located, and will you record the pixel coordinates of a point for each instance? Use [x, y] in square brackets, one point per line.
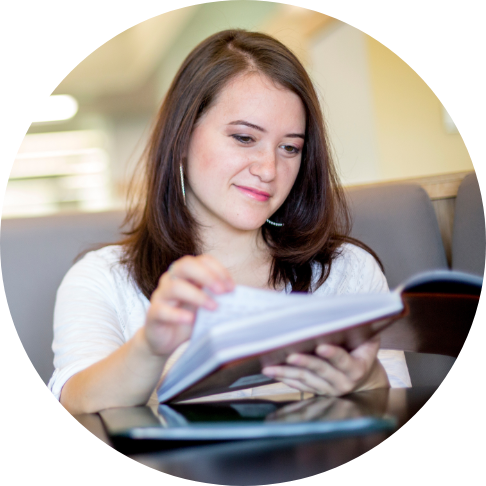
[244, 153]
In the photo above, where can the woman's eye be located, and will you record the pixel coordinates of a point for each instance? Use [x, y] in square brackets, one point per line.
[290, 149]
[243, 138]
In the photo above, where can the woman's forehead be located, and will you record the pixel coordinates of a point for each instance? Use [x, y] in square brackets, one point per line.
[257, 96]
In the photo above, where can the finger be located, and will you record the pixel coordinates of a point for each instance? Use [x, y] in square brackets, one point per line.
[220, 270]
[368, 350]
[162, 312]
[339, 358]
[322, 368]
[303, 377]
[297, 385]
[355, 365]
[198, 271]
[180, 291]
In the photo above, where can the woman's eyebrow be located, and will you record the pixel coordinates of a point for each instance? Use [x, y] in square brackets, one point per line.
[248, 124]
[256, 127]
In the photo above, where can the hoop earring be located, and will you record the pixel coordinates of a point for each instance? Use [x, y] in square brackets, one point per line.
[274, 224]
[182, 184]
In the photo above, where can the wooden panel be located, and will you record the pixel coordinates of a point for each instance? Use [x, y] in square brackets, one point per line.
[444, 210]
[438, 186]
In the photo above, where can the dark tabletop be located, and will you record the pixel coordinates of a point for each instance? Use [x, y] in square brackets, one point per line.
[266, 461]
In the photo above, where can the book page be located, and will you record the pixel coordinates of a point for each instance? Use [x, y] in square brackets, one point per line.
[252, 327]
[242, 302]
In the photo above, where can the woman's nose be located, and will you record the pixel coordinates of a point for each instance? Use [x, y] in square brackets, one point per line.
[264, 166]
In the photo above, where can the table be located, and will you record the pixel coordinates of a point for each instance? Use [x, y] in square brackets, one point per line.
[271, 460]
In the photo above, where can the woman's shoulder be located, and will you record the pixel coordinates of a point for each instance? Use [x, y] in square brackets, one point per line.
[354, 270]
[108, 255]
[99, 269]
[101, 279]
[355, 256]
[105, 260]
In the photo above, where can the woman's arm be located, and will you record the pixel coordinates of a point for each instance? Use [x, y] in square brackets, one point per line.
[128, 376]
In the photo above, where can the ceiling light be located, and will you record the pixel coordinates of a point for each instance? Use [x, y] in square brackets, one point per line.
[55, 108]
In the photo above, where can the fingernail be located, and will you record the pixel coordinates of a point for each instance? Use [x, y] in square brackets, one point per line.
[293, 359]
[269, 371]
[218, 288]
[324, 350]
[210, 304]
[187, 318]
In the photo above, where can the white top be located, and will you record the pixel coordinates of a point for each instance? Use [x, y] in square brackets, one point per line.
[99, 307]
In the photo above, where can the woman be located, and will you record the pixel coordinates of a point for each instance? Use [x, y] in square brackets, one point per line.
[239, 189]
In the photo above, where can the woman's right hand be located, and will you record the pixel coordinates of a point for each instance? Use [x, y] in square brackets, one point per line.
[180, 292]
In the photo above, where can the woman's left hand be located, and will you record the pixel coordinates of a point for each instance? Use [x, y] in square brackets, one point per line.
[332, 370]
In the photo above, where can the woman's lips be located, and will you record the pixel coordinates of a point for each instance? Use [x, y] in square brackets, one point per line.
[254, 193]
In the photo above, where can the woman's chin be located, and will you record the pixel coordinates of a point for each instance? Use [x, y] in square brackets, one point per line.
[247, 224]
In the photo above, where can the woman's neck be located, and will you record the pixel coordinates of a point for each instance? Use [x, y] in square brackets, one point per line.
[243, 253]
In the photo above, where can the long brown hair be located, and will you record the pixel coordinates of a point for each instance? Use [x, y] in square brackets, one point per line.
[315, 214]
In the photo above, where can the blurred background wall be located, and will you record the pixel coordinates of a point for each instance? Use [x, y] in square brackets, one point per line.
[385, 123]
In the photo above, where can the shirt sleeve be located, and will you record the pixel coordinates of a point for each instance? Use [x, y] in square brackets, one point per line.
[87, 324]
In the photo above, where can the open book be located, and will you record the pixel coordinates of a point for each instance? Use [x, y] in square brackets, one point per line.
[255, 328]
